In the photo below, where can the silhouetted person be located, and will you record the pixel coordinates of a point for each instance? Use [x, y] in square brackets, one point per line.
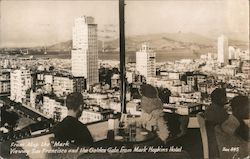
[240, 109]
[70, 128]
[234, 132]
[216, 113]
[152, 117]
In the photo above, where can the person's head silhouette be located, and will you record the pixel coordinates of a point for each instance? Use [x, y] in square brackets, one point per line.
[75, 104]
[240, 107]
[219, 97]
[149, 91]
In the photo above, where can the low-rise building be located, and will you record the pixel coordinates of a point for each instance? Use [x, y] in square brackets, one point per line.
[54, 108]
[89, 116]
[62, 85]
[115, 81]
[174, 75]
[4, 82]
[115, 105]
[176, 89]
[20, 81]
[183, 109]
[192, 97]
[95, 114]
[79, 84]
[236, 82]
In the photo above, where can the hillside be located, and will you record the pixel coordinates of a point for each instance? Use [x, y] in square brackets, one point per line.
[165, 41]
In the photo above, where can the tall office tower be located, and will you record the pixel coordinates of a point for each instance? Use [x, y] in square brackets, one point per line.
[145, 61]
[84, 55]
[20, 82]
[231, 53]
[222, 50]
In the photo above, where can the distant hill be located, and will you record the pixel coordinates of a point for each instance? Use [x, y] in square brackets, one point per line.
[165, 41]
[63, 46]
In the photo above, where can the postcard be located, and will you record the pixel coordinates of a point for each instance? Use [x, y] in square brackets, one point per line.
[114, 79]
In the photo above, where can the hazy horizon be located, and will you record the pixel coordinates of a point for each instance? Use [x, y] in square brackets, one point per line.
[39, 23]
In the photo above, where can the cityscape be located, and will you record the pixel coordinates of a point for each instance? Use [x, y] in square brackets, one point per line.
[34, 82]
[43, 83]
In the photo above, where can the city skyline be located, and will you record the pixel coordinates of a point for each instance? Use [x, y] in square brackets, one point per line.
[23, 24]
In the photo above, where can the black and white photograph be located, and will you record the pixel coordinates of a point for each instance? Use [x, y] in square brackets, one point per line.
[124, 79]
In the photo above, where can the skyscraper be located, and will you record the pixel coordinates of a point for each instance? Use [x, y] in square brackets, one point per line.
[145, 61]
[84, 55]
[222, 50]
[231, 52]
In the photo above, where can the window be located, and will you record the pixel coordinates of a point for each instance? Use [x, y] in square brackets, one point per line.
[160, 47]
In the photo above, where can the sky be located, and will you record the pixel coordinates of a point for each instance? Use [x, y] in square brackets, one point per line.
[26, 23]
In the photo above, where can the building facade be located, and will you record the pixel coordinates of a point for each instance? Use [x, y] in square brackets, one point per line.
[145, 61]
[222, 50]
[62, 85]
[231, 53]
[20, 81]
[54, 108]
[4, 82]
[89, 116]
[79, 84]
[84, 55]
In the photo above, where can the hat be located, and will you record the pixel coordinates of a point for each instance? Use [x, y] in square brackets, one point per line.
[149, 91]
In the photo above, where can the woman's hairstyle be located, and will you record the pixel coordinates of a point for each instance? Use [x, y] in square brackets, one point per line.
[149, 91]
[219, 96]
